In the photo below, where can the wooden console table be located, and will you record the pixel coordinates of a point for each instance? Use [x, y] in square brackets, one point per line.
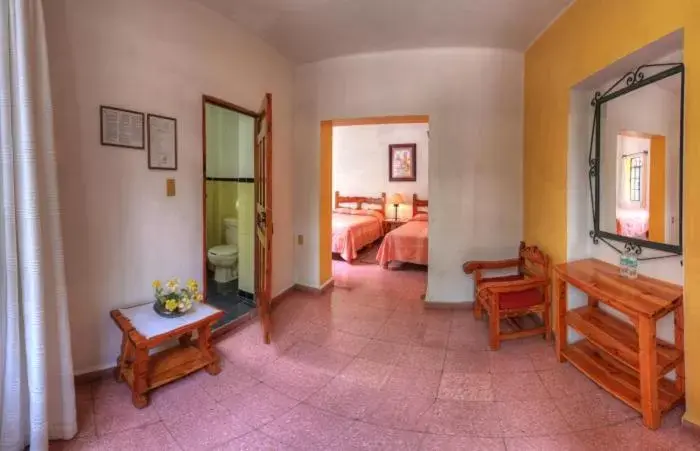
[626, 359]
[143, 329]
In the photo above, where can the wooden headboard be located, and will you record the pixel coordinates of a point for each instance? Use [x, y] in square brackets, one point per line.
[419, 204]
[359, 201]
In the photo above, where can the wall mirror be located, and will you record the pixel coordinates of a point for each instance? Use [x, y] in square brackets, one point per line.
[636, 160]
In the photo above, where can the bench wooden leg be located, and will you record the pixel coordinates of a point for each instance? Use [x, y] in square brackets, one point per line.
[123, 358]
[204, 345]
[139, 391]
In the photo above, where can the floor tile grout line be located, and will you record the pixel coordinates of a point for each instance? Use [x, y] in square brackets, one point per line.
[170, 433]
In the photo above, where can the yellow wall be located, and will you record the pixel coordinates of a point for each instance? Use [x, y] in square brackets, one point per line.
[325, 200]
[246, 237]
[589, 36]
[657, 189]
[221, 203]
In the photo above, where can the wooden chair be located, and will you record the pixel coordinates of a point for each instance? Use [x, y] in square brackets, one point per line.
[514, 295]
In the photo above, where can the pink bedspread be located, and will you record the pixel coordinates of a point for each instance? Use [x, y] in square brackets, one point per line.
[353, 232]
[633, 223]
[408, 243]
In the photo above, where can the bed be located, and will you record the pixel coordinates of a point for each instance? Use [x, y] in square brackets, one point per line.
[356, 222]
[408, 243]
[633, 223]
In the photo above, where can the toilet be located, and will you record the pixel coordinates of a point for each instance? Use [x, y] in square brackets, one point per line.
[224, 258]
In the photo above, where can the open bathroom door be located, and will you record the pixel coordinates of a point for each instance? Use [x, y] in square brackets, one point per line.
[263, 216]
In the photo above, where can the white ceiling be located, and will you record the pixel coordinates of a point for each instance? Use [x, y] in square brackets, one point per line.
[312, 30]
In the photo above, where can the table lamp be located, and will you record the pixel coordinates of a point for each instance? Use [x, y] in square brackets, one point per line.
[396, 199]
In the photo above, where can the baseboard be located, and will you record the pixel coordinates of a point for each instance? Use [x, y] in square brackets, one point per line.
[313, 290]
[328, 285]
[284, 294]
[246, 295]
[92, 376]
[466, 305]
[690, 426]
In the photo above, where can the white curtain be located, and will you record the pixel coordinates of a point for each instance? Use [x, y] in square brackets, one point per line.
[37, 395]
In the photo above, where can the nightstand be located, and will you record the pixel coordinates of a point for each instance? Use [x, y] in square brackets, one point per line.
[391, 224]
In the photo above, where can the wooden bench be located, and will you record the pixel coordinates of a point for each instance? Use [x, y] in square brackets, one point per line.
[143, 329]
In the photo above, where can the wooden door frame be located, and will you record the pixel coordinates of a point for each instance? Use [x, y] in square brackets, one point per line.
[325, 227]
[206, 99]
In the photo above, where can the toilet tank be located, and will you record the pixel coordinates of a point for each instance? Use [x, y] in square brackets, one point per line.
[231, 230]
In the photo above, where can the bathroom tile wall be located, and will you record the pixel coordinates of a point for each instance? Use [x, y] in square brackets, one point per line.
[246, 205]
[246, 236]
[246, 128]
[222, 197]
[222, 142]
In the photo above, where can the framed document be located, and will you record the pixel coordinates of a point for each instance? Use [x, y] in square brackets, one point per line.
[162, 142]
[402, 162]
[121, 128]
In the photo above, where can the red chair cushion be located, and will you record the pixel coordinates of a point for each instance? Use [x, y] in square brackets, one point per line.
[521, 299]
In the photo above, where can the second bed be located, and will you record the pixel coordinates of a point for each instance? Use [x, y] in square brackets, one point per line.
[408, 243]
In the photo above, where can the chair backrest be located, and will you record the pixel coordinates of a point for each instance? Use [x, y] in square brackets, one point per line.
[533, 262]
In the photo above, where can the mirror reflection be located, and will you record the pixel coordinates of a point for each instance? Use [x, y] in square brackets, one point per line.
[640, 162]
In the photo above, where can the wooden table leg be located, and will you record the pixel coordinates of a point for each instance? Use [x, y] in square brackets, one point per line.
[204, 345]
[648, 379]
[121, 360]
[139, 391]
[561, 308]
[679, 337]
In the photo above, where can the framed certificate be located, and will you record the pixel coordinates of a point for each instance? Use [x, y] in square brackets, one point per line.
[121, 128]
[162, 142]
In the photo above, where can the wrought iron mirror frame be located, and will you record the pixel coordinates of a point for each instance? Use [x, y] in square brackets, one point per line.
[632, 81]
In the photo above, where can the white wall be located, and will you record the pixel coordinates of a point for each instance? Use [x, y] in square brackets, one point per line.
[120, 230]
[361, 162]
[475, 101]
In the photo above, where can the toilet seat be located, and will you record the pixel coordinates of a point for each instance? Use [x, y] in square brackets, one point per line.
[224, 250]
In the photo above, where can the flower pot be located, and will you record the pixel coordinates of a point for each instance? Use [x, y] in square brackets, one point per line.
[160, 310]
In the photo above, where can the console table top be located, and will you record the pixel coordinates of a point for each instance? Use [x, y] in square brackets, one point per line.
[644, 295]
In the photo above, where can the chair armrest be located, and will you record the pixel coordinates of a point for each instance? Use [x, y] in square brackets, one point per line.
[475, 265]
[515, 285]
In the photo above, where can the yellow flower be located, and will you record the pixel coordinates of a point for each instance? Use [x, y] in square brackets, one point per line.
[199, 297]
[171, 305]
[173, 284]
[156, 284]
[192, 285]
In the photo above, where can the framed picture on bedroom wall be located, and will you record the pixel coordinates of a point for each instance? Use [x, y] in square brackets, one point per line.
[402, 162]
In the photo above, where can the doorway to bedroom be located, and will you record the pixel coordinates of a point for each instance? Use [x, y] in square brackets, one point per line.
[374, 200]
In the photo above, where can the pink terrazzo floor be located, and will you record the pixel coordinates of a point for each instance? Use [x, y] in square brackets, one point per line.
[367, 367]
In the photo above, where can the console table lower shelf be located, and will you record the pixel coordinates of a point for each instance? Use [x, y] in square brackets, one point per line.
[617, 379]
